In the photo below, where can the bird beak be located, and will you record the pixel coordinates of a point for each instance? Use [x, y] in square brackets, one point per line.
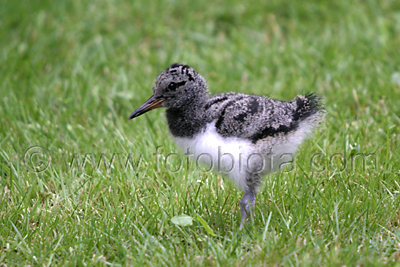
[151, 103]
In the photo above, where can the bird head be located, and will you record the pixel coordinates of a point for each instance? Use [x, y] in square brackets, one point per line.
[176, 87]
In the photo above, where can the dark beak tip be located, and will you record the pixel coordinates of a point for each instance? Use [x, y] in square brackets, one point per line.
[133, 115]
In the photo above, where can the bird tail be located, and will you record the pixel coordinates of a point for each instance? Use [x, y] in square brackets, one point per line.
[307, 106]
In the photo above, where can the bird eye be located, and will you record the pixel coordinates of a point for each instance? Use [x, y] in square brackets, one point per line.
[172, 86]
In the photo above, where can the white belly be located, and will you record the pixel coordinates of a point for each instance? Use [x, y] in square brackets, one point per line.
[228, 156]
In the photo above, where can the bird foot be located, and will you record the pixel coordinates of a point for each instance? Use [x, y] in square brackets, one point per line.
[247, 208]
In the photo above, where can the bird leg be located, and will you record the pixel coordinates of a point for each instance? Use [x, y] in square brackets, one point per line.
[247, 204]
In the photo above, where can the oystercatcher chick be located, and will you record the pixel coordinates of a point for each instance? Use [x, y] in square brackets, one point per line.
[242, 136]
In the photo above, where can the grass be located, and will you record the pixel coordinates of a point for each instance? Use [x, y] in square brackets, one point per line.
[71, 72]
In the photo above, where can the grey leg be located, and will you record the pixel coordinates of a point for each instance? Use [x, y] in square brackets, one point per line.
[247, 204]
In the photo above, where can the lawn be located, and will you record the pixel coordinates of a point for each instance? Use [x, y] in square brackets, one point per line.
[81, 184]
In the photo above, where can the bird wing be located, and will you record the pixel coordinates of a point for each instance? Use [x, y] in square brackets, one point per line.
[257, 117]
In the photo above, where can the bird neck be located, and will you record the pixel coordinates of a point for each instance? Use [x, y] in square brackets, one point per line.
[188, 120]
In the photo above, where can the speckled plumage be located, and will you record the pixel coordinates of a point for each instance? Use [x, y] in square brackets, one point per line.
[243, 136]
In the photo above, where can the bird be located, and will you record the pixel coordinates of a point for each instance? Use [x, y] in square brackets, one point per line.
[239, 135]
